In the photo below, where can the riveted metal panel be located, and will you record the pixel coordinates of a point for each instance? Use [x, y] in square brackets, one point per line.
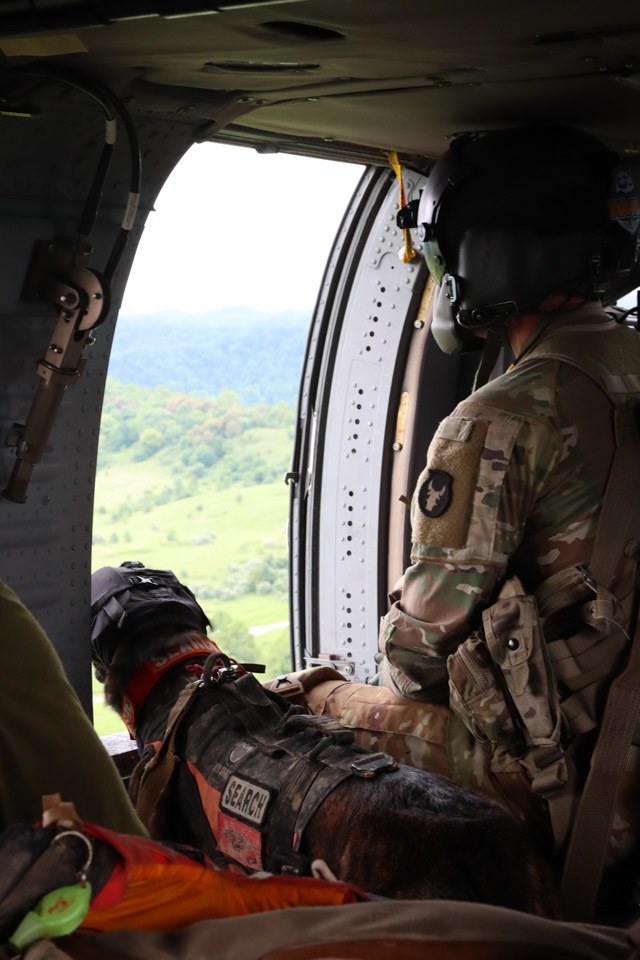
[309, 443]
[369, 312]
[48, 166]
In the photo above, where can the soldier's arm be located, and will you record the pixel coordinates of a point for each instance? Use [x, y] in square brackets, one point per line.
[433, 615]
[492, 467]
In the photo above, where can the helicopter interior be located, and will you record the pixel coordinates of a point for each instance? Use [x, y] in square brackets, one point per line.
[100, 99]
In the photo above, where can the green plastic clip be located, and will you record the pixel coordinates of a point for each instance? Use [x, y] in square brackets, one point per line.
[59, 913]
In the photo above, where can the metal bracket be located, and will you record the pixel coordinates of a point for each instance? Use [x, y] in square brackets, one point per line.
[58, 274]
[219, 668]
[331, 660]
[370, 766]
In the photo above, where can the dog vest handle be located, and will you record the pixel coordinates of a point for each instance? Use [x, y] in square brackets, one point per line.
[157, 774]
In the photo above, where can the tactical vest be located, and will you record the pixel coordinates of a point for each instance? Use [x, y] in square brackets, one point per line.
[534, 690]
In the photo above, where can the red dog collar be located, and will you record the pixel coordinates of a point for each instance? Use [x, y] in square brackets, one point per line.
[146, 677]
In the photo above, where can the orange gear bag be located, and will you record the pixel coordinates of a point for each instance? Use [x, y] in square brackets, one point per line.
[154, 887]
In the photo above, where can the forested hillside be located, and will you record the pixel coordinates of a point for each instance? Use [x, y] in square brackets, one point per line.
[257, 355]
[191, 435]
[193, 481]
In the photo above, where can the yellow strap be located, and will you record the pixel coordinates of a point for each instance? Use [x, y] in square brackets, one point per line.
[408, 252]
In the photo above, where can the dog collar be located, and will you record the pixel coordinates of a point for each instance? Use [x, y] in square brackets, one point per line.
[146, 677]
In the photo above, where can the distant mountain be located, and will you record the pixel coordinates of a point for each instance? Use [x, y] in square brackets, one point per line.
[257, 355]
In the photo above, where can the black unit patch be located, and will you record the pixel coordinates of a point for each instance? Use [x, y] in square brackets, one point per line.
[246, 800]
[434, 496]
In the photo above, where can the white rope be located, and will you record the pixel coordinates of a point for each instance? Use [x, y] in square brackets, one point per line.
[321, 871]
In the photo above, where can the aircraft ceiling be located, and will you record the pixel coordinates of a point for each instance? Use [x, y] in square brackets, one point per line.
[352, 79]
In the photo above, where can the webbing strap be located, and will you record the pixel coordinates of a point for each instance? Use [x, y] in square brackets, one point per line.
[587, 850]
[560, 802]
[157, 773]
[621, 500]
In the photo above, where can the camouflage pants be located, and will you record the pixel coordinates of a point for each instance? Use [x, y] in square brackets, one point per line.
[432, 738]
[422, 735]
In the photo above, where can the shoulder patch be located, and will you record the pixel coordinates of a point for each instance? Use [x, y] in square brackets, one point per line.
[445, 489]
[435, 493]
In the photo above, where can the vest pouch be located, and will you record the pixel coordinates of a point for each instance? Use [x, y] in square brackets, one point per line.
[476, 697]
[585, 638]
[513, 632]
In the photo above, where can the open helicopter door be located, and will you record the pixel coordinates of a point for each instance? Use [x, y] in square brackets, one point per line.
[373, 389]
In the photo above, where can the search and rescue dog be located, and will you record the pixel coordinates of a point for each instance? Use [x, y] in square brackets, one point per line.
[233, 769]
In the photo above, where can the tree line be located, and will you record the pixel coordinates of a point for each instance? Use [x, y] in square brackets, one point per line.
[257, 355]
[250, 444]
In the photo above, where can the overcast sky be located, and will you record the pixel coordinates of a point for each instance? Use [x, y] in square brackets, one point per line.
[236, 228]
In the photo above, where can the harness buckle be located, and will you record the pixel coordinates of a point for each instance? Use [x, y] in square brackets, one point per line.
[587, 576]
[371, 765]
[551, 772]
[219, 668]
[544, 756]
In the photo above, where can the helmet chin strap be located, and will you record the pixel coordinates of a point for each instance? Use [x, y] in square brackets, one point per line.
[495, 340]
[497, 337]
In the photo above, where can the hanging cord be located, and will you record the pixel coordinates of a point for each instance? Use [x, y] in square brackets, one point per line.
[622, 316]
[408, 252]
[113, 109]
[133, 200]
[60, 274]
[90, 212]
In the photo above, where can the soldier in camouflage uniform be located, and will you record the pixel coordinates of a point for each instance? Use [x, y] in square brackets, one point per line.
[523, 231]
[520, 497]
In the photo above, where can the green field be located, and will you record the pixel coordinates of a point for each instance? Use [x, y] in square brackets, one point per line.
[243, 524]
[226, 542]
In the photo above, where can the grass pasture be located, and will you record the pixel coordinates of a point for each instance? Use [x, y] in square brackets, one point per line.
[215, 540]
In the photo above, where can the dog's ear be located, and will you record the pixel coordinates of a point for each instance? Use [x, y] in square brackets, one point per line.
[100, 673]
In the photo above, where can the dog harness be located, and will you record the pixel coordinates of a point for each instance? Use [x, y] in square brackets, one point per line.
[262, 767]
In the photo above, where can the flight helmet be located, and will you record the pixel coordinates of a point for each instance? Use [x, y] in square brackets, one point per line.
[508, 217]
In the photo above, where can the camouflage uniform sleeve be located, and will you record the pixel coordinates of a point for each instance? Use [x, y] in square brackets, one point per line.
[485, 470]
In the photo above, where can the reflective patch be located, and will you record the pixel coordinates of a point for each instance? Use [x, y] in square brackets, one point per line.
[623, 205]
[246, 800]
[240, 842]
[435, 493]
